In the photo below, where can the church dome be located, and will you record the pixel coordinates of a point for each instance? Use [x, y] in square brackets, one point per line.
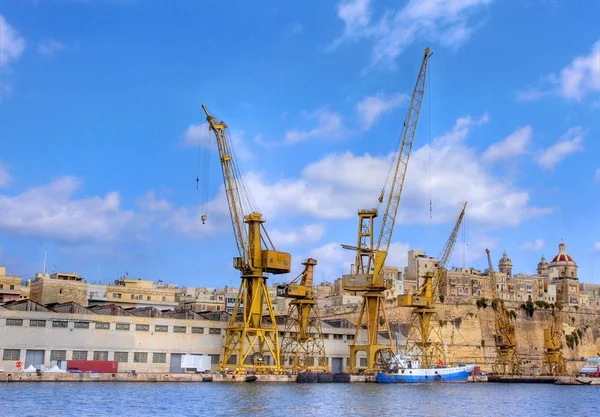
[562, 257]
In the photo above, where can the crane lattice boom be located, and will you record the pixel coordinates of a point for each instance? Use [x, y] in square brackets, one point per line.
[407, 137]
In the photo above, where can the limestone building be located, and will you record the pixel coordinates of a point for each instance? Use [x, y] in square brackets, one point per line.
[59, 287]
[10, 286]
[140, 339]
[566, 280]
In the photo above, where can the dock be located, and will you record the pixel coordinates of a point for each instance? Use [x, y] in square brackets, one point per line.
[151, 377]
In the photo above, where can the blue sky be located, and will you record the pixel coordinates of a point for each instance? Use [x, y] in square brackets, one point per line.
[101, 124]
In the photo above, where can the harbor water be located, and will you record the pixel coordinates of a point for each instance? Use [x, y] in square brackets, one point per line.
[296, 400]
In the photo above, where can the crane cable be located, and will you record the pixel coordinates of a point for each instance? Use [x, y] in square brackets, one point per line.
[430, 165]
[204, 148]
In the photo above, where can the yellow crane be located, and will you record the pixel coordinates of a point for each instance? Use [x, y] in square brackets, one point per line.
[507, 361]
[421, 341]
[251, 341]
[302, 346]
[367, 275]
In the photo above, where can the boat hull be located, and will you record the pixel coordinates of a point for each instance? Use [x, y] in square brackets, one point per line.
[455, 374]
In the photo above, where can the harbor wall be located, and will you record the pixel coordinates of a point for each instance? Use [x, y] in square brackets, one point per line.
[469, 332]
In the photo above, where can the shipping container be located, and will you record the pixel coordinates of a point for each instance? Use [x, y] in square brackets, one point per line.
[101, 367]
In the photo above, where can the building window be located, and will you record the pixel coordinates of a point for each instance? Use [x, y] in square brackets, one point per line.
[159, 358]
[214, 331]
[132, 296]
[80, 355]
[232, 360]
[140, 297]
[122, 357]
[122, 326]
[148, 298]
[11, 355]
[60, 323]
[12, 287]
[158, 328]
[101, 355]
[140, 357]
[214, 359]
[198, 330]
[164, 298]
[37, 323]
[363, 362]
[338, 336]
[178, 329]
[102, 325]
[116, 295]
[14, 322]
[142, 327]
[58, 355]
[350, 337]
[81, 324]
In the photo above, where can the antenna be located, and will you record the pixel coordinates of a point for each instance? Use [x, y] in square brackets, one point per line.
[45, 255]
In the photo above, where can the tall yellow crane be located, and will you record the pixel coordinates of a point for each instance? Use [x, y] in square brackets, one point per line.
[251, 342]
[507, 361]
[302, 346]
[425, 335]
[367, 274]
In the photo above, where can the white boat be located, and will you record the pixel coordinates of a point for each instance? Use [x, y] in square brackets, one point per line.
[405, 369]
[592, 366]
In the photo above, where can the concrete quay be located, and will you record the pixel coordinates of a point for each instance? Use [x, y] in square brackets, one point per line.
[149, 377]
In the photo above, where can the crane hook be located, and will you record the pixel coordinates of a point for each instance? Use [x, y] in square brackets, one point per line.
[203, 218]
[197, 182]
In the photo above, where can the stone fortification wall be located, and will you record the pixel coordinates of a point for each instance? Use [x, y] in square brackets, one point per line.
[468, 331]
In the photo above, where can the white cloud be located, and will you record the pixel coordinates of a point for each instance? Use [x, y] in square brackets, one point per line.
[513, 145]
[197, 135]
[153, 204]
[329, 126]
[397, 254]
[356, 15]
[336, 186]
[5, 177]
[472, 251]
[536, 245]
[570, 142]
[297, 29]
[333, 261]
[52, 211]
[370, 109]
[597, 175]
[5, 91]
[444, 21]
[11, 44]
[302, 235]
[596, 247]
[575, 81]
[50, 47]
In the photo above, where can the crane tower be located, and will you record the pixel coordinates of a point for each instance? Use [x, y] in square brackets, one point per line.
[251, 341]
[507, 361]
[425, 335]
[367, 275]
[302, 346]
